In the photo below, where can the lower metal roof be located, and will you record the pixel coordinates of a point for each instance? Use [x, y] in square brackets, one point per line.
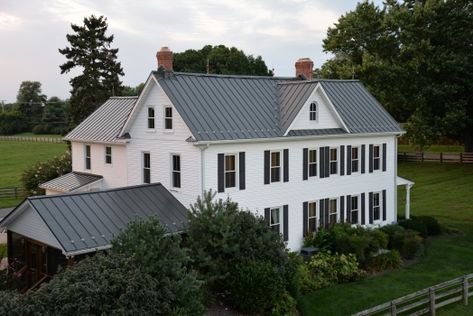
[70, 181]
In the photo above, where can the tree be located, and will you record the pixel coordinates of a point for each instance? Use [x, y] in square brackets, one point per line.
[90, 50]
[132, 91]
[30, 102]
[220, 60]
[55, 117]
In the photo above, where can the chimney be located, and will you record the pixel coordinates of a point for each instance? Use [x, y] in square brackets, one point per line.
[164, 57]
[304, 68]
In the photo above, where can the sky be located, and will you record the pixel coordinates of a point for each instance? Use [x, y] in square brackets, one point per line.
[280, 31]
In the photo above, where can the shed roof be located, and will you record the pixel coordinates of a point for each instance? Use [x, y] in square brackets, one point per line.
[85, 222]
[70, 181]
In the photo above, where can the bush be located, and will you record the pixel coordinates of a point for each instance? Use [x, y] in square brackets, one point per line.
[325, 269]
[412, 244]
[415, 224]
[3, 251]
[11, 123]
[431, 224]
[255, 286]
[384, 261]
[42, 172]
[395, 235]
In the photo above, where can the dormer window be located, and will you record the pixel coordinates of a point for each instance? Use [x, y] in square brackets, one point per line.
[313, 111]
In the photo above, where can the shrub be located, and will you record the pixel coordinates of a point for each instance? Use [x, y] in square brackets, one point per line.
[285, 306]
[11, 122]
[431, 224]
[412, 244]
[255, 286]
[44, 171]
[395, 235]
[384, 261]
[3, 251]
[415, 224]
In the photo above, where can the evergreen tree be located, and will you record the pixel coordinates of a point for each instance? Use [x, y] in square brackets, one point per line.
[90, 50]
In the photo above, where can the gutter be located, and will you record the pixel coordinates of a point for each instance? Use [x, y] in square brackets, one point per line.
[84, 251]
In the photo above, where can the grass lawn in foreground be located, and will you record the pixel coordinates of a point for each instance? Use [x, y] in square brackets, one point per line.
[16, 156]
[444, 191]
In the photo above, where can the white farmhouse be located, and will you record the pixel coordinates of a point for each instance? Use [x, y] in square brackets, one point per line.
[302, 152]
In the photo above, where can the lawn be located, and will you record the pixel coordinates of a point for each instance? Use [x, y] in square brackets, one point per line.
[444, 191]
[16, 156]
[433, 148]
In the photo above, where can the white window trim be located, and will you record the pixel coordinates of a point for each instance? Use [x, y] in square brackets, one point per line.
[281, 217]
[330, 161]
[358, 220]
[358, 159]
[380, 193]
[380, 158]
[173, 188]
[316, 111]
[316, 163]
[337, 210]
[143, 166]
[316, 217]
[148, 118]
[237, 172]
[111, 155]
[168, 130]
[281, 165]
[87, 157]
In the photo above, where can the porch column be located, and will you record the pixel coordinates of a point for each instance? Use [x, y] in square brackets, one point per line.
[408, 201]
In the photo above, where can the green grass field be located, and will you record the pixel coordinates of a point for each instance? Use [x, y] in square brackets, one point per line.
[434, 148]
[444, 191]
[16, 156]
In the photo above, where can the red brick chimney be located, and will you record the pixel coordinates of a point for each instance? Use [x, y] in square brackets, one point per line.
[164, 57]
[304, 67]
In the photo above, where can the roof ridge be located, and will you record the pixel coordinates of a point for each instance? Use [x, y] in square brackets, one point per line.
[339, 80]
[195, 74]
[124, 97]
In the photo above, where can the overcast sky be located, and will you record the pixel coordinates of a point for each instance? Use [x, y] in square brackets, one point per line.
[281, 31]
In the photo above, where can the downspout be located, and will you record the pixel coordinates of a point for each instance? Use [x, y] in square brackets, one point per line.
[202, 168]
[396, 139]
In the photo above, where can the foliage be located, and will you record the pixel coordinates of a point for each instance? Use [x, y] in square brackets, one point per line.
[387, 260]
[55, 118]
[415, 57]
[220, 60]
[3, 251]
[11, 122]
[416, 224]
[99, 79]
[326, 269]
[132, 91]
[396, 235]
[431, 224]
[29, 102]
[412, 244]
[44, 171]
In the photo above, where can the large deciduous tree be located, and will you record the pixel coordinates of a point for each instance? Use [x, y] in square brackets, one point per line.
[220, 60]
[30, 101]
[416, 57]
[90, 50]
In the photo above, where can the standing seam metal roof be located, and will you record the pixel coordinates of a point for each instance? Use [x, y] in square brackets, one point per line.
[70, 181]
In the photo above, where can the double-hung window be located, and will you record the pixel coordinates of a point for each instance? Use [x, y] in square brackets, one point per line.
[146, 168]
[376, 157]
[87, 157]
[168, 117]
[275, 219]
[312, 217]
[108, 155]
[275, 166]
[151, 117]
[355, 159]
[230, 171]
[176, 171]
[312, 163]
[354, 210]
[313, 111]
[376, 206]
[332, 211]
[333, 161]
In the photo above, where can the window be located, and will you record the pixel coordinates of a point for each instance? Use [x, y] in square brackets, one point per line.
[312, 163]
[87, 157]
[275, 166]
[176, 171]
[108, 155]
[312, 217]
[355, 160]
[376, 157]
[230, 172]
[354, 210]
[333, 208]
[333, 160]
[275, 219]
[313, 111]
[146, 168]
[168, 117]
[376, 206]
[151, 118]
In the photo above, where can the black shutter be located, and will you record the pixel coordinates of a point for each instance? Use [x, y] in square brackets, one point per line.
[285, 215]
[221, 172]
[327, 161]
[363, 152]
[370, 205]
[242, 171]
[342, 160]
[267, 212]
[362, 209]
[322, 213]
[342, 209]
[348, 208]
[384, 205]
[348, 160]
[384, 157]
[286, 165]
[305, 216]
[266, 166]
[305, 153]
[327, 216]
[370, 157]
[322, 161]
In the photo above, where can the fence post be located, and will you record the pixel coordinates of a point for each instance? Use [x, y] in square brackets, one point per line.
[393, 309]
[441, 157]
[465, 290]
[461, 157]
[432, 301]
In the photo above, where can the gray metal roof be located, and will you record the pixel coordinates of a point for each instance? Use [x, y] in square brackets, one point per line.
[105, 123]
[70, 181]
[83, 222]
[317, 132]
[221, 107]
[358, 109]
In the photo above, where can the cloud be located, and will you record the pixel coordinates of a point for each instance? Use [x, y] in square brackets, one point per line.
[9, 22]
